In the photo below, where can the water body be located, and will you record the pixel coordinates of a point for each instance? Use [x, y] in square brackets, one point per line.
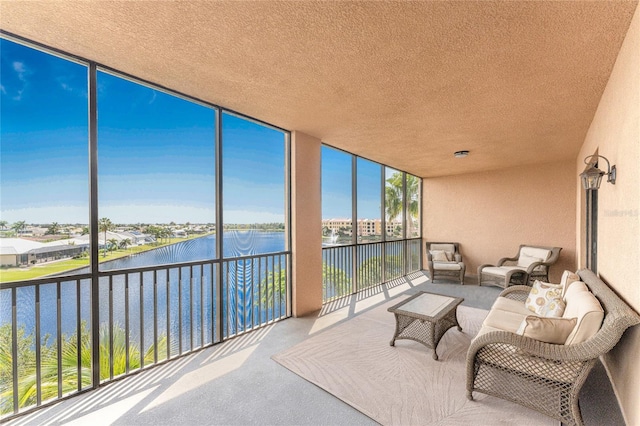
[236, 244]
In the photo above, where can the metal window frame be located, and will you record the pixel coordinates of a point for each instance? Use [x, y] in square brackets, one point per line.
[95, 275]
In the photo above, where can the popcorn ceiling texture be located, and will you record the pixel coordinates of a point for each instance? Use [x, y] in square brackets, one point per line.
[406, 84]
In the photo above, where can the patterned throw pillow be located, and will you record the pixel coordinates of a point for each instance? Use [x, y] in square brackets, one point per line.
[550, 330]
[545, 299]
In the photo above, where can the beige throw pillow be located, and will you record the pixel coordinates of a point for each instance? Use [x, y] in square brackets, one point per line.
[549, 330]
[439, 256]
[545, 299]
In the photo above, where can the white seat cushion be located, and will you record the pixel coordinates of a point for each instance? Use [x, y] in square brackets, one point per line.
[501, 271]
[511, 305]
[504, 320]
[446, 266]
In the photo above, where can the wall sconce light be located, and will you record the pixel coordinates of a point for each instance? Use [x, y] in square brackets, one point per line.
[592, 176]
[460, 154]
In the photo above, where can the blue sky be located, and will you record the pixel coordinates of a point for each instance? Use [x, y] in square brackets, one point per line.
[156, 159]
[336, 186]
[155, 151]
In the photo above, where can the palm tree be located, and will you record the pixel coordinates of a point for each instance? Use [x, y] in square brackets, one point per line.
[393, 196]
[53, 229]
[394, 199]
[125, 243]
[166, 234]
[158, 233]
[3, 224]
[27, 386]
[113, 244]
[274, 289]
[413, 203]
[105, 225]
[335, 281]
[370, 271]
[19, 226]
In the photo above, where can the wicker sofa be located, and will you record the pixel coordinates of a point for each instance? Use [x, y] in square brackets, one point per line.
[530, 264]
[543, 376]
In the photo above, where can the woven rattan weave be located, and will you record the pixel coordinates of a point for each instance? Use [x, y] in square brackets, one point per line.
[425, 317]
[542, 376]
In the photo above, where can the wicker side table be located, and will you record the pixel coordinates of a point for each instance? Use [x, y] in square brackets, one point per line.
[425, 317]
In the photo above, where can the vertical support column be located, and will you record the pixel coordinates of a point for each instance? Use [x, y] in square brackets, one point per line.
[354, 224]
[405, 221]
[383, 221]
[93, 224]
[218, 277]
[287, 223]
[306, 221]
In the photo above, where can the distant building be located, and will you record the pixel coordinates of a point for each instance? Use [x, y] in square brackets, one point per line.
[18, 251]
[365, 227]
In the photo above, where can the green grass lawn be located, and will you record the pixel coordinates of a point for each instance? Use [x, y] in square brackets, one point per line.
[42, 270]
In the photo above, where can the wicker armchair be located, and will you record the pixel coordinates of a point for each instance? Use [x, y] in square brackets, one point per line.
[543, 376]
[530, 264]
[450, 266]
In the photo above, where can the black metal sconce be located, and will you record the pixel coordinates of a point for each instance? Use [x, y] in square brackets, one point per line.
[592, 176]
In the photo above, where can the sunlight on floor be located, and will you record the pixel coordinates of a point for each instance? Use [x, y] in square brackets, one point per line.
[112, 412]
[328, 320]
[202, 376]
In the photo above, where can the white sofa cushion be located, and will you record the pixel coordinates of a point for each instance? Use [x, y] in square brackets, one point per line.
[584, 306]
[567, 278]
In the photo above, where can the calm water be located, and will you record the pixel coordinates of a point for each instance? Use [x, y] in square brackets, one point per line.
[236, 244]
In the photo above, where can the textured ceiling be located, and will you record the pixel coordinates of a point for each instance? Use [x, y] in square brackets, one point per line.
[405, 84]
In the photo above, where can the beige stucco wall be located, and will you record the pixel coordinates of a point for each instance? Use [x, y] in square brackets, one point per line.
[615, 134]
[8, 259]
[306, 222]
[491, 213]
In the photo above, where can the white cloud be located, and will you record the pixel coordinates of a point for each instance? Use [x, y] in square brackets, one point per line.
[60, 214]
[22, 72]
[20, 68]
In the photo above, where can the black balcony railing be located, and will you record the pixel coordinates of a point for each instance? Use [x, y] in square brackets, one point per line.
[147, 316]
[348, 269]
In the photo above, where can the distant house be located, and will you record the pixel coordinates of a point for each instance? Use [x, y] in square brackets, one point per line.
[18, 251]
[179, 233]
